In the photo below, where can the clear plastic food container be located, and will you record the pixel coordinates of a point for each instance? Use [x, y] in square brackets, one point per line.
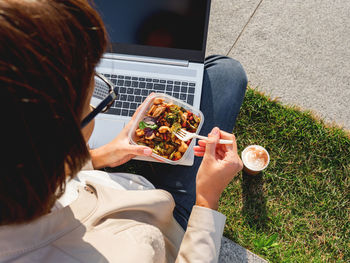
[168, 99]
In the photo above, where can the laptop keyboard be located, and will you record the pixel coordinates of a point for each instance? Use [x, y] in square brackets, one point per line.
[132, 91]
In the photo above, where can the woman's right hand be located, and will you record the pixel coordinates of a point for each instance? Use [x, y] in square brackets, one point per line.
[219, 166]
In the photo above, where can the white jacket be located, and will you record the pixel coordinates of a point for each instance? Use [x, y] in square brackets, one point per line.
[109, 225]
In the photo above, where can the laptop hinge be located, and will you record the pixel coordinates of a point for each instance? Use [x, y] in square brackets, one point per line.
[165, 61]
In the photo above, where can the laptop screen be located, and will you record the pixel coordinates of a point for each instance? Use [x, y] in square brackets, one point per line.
[156, 27]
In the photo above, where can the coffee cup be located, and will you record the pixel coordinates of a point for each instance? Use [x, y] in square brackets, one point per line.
[255, 158]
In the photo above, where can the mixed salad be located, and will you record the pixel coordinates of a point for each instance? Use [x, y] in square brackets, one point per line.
[157, 129]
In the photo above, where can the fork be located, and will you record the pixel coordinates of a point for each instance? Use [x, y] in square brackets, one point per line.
[185, 136]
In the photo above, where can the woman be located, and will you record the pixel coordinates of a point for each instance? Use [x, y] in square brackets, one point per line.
[48, 53]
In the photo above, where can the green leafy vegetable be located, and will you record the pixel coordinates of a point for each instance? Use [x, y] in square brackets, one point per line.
[191, 126]
[171, 118]
[183, 109]
[196, 119]
[174, 109]
[172, 155]
[175, 127]
[143, 125]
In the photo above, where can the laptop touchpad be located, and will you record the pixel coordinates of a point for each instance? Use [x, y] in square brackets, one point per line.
[105, 131]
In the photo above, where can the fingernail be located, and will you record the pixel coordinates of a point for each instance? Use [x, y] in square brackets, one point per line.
[147, 151]
[215, 131]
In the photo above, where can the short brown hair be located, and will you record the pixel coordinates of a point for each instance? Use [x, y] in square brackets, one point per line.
[48, 52]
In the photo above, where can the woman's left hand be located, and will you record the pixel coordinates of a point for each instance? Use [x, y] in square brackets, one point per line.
[119, 150]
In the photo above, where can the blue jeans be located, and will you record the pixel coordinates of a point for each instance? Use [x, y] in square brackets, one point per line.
[224, 86]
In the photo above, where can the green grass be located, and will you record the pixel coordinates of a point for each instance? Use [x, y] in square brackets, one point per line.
[298, 209]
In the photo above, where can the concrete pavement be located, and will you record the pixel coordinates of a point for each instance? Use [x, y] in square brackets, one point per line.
[295, 50]
[230, 252]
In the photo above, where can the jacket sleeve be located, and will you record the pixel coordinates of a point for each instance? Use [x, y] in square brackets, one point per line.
[202, 239]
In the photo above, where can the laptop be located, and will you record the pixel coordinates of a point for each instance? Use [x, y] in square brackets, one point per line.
[156, 46]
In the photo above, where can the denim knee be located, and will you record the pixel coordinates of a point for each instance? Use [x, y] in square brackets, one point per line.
[234, 71]
[229, 70]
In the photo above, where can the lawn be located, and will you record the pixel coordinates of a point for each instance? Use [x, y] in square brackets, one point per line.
[298, 209]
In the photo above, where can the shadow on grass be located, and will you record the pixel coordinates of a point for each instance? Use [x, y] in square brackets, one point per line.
[254, 201]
